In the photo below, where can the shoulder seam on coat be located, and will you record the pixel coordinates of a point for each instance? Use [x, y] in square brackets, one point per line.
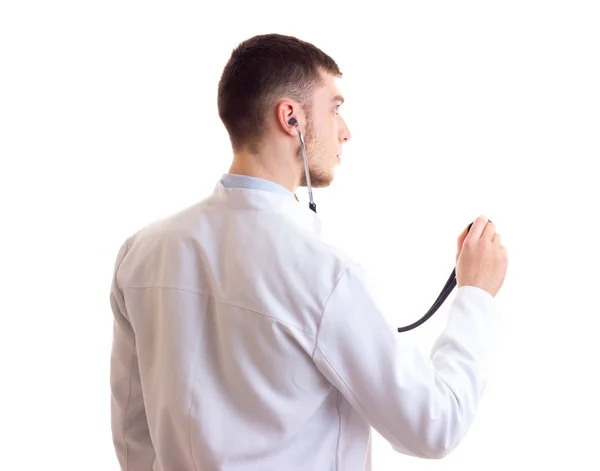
[199, 293]
[167, 287]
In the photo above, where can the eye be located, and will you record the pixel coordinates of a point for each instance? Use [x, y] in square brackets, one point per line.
[337, 108]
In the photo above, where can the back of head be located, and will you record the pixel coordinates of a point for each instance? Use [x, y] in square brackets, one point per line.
[260, 71]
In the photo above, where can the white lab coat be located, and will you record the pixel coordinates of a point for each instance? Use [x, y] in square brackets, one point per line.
[243, 341]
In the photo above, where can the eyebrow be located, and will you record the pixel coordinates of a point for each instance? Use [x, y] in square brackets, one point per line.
[339, 98]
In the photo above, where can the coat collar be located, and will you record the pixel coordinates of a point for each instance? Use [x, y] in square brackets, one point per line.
[257, 199]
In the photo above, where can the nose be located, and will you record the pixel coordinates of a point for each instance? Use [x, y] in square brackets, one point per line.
[345, 133]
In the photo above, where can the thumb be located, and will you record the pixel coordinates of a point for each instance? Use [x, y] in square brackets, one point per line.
[461, 241]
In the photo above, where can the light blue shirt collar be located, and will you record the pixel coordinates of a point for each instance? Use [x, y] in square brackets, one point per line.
[231, 180]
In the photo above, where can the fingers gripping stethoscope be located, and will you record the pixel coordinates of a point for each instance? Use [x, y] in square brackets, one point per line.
[450, 284]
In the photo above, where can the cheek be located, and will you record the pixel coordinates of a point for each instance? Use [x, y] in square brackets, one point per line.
[329, 132]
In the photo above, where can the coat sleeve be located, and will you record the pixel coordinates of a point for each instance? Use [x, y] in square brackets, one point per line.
[422, 405]
[131, 437]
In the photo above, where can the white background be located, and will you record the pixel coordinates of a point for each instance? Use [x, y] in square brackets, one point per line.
[108, 120]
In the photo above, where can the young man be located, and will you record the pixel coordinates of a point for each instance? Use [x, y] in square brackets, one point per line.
[242, 341]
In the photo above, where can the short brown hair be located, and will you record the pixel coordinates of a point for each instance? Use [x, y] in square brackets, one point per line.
[261, 70]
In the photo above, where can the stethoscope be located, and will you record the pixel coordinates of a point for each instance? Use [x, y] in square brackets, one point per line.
[450, 284]
[311, 203]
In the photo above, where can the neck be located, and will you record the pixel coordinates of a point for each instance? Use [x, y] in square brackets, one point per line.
[268, 167]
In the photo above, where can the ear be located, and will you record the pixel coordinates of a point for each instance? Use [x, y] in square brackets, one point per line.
[286, 110]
